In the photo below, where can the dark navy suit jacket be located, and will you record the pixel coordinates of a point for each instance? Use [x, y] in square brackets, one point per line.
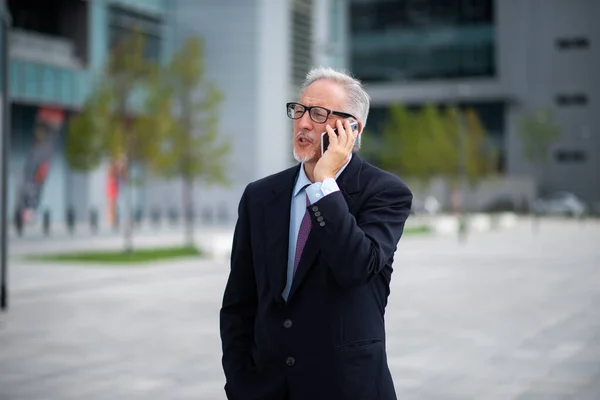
[328, 340]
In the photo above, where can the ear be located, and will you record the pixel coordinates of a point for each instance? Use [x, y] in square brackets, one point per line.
[360, 127]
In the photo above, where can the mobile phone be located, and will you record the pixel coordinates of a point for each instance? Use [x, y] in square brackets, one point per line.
[325, 136]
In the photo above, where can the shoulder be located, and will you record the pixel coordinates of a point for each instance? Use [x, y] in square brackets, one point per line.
[264, 187]
[377, 180]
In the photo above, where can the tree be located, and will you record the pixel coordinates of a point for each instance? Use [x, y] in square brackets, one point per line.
[538, 131]
[430, 143]
[395, 154]
[110, 125]
[482, 158]
[470, 154]
[184, 107]
[433, 142]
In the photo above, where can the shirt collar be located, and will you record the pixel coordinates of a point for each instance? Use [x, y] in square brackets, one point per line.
[303, 180]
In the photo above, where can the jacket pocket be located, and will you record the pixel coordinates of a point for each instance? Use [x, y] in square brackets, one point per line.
[359, 344]
[359, 367]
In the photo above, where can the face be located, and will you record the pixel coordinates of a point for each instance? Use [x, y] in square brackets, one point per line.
[307, 133]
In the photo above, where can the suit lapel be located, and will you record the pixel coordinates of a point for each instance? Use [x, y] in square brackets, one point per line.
[349, 184]
[276, 214]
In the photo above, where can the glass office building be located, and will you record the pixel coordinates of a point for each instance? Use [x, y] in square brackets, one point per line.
[407, 40]
[502, 58]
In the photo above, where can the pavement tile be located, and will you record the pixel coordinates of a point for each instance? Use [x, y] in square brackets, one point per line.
[510, 314]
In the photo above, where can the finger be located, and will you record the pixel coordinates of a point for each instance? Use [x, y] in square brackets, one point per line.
[343, 135]
[351, 135]
[333, 138]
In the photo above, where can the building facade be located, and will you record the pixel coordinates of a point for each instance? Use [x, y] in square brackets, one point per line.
[57, 52]
[505, 59]
[256, 51]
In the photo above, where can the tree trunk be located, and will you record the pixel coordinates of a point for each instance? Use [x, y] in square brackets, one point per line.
[188, 207]
[541, 192]
[543, 179]
[128, 226]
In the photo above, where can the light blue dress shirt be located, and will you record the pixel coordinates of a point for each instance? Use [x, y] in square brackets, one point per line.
[315, 191]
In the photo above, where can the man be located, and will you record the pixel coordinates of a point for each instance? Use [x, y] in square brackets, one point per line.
[303, 310]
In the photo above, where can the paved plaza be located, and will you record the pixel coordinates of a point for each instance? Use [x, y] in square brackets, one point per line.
[510, 314]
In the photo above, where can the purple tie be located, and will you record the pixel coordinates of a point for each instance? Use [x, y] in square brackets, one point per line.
[302, 235]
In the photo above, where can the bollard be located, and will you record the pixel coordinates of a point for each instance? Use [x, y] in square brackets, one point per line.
[117, 221]
[94, 221]
[173, 216]
[46, 223]
[19, 223]
[155, 216]
[137, 217]
[70, 220]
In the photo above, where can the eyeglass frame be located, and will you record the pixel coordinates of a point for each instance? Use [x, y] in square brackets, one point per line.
[308, 109]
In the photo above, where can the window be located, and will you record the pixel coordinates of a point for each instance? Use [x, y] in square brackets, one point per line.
[575, 99]
[301, 40]
[122, 22]
[422, 39]
[570, 156]
[572, 43]
[382, 15]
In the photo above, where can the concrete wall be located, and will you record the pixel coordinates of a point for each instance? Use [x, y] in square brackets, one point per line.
[232, 49]
[537, 71]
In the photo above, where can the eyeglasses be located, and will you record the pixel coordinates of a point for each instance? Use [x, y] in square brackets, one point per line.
[316, 113]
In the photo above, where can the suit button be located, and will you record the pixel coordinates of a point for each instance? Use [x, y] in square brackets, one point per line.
[290, 361]
[322, 223]
[317, 213]
[315, 208]
[287, 323]
[320, 219]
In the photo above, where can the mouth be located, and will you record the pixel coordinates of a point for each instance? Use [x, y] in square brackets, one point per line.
[304, 141]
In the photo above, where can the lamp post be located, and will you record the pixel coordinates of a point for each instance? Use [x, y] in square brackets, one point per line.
[4, 145]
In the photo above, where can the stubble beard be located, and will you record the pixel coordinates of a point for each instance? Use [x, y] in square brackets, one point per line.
[305, 158]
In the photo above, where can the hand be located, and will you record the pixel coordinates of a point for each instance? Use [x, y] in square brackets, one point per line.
[338, 151]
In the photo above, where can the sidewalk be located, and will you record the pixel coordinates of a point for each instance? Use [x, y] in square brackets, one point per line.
[509, 314]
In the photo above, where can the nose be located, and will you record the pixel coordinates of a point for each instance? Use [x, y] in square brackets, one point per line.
[305, 123]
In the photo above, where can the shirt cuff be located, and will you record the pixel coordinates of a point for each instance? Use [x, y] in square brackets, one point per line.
[318, 190]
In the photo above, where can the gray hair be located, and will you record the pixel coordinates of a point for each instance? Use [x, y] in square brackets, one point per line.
[358, 101]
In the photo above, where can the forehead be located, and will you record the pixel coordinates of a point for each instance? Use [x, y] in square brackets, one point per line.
[324, 93]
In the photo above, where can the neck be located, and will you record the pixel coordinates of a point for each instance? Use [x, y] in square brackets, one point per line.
[309, 168]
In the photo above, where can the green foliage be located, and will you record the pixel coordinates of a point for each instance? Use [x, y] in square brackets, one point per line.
[184, 110]
[120, 257]
[432, 143]
[109, 125]
[87, 142]
[395, 152]
[481, 157]
[538, 131]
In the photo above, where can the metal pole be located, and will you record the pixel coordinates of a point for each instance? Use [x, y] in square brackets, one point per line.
[4, 145]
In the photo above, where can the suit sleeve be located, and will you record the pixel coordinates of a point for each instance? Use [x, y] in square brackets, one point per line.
[358, 248]
[239, 300]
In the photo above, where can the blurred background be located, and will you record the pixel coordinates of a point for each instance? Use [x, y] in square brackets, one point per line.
[141, 122]
[522, 72]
